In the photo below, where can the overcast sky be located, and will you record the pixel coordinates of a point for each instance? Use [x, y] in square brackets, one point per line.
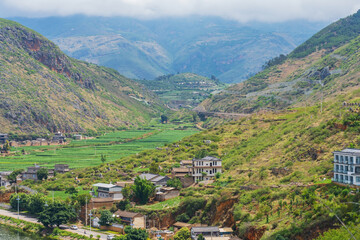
[241, 10]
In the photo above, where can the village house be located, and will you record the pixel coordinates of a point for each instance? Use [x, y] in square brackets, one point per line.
[166, 193]
[59, 137]
[4, 182]
[181, 172]
[137, 220]
[205, 231]
[61, 168]
[347, 166]
[156, 179]
[78, 137]
[31, 173]
[206, 168]
[3, 138]
[186, 163]
[108, 191]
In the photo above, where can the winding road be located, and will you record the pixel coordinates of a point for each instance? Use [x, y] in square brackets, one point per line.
[64, 227]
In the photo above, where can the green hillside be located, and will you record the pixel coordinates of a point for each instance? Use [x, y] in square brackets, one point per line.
[327, 71]
[185, 90]
[43, 90]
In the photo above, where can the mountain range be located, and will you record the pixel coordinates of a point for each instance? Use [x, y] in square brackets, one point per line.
[146, 49]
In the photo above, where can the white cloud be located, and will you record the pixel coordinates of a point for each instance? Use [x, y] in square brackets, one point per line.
[241, 10]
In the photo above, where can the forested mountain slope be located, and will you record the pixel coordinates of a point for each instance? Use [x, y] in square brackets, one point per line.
[43, 90]
[324, 66]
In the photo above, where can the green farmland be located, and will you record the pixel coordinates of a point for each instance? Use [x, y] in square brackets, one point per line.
[84, 153]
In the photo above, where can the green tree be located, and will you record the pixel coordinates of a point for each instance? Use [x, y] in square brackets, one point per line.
[36, 204]
[42, 173]
[123, 204]
[23, 202]
[182, 234]
[200, 237]
[135, 234]
[201, 154]
[127, 192]
[265, 209]
[106, 218]
[154, 167]
[103, 158]
[14, 174]
[174, 182]
[71, 190]
[142, 189]
[164, 119]
[56, 213]
[6, 147]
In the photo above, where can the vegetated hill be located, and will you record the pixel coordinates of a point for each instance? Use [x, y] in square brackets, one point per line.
[322, 67]
[42, 89]
[184, 90]
[274, 165]
[146, 49]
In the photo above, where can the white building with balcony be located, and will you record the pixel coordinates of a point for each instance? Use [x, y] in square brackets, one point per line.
[206, 168]
[347, 166]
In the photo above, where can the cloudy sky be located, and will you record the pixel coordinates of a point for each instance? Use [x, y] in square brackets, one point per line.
[241, 10]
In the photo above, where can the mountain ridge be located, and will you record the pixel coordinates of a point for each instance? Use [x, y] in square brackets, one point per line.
[147, 49]
[44, 90]
[301, 78]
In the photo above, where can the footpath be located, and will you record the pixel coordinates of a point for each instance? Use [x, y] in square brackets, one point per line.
[64, 227]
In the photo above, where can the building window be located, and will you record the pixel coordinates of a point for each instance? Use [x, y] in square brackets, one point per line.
[346, 168]
[337, 157]
[351, 160]
[346, 178]
[346, 159]
[341, 159]
[358, 179]
[351, 169]
[341, 177]
[336, 176]
[357, 160]
[341, 168]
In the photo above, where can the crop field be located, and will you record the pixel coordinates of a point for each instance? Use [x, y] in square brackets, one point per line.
[84, 153]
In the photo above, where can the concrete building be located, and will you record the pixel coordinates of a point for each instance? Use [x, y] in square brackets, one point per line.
[205, 168]
[109, 191]
[61, 168]
[31, 173]
[78, 137]
[205, 231]
[4, 182]
[3, 138]
[137, 219]
[166, 193]
[59, 137]
[156, 179]
[347, 166]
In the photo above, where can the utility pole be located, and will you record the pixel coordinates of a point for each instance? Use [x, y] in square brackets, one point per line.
[18, 200]
[90, 220]
[86, 212]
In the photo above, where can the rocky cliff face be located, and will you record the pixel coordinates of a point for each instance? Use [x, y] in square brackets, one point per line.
[42, 89]
[42, 50]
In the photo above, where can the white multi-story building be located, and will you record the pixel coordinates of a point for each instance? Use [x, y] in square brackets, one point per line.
[206, 168]
[347, 166]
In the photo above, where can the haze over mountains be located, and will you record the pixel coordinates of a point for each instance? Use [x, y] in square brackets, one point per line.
[146, 49]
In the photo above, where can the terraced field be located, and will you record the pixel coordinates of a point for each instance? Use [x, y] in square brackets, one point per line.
[84, 153]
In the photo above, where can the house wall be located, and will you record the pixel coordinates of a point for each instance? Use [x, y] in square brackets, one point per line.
[139, 222]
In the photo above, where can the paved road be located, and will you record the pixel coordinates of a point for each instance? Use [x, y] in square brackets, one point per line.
[34, 220]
